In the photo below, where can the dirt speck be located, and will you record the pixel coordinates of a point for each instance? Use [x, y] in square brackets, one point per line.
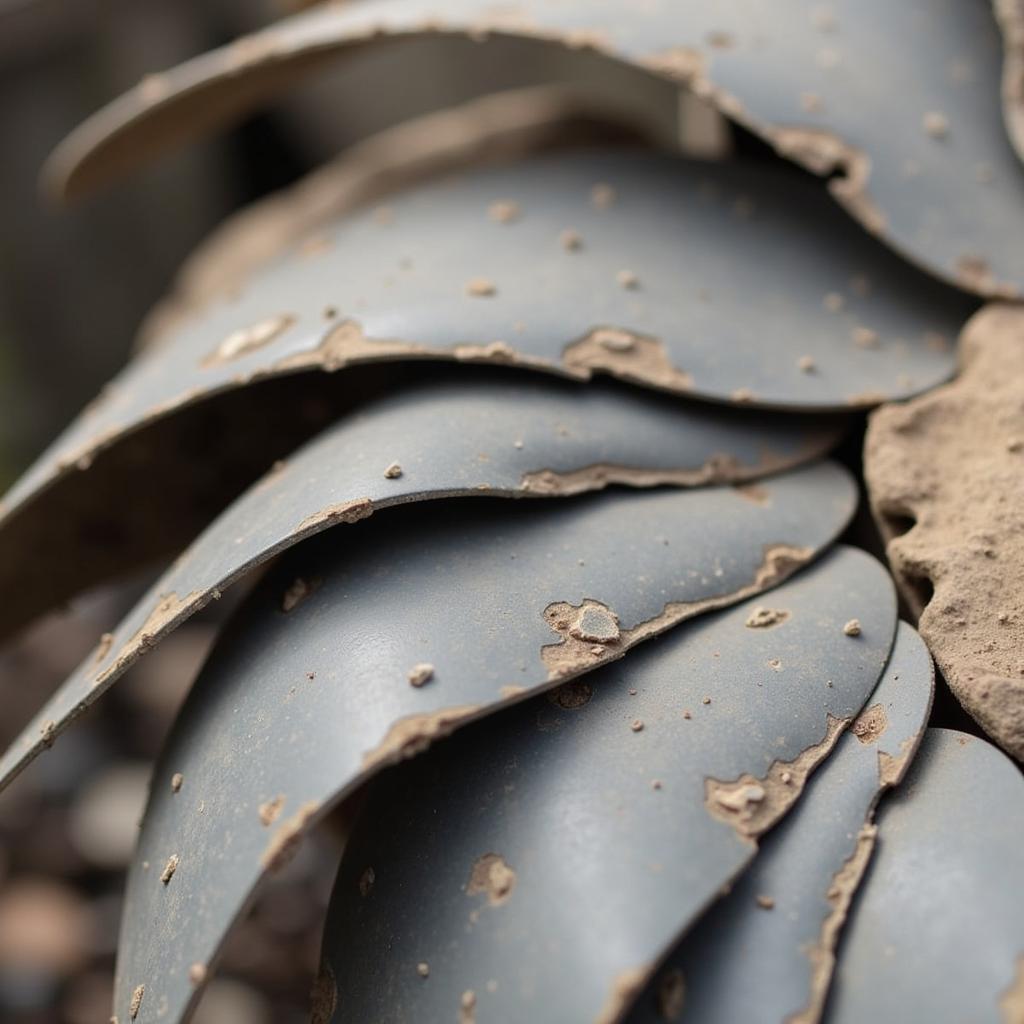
[421, 674]
[284, 843]
[504, 211]
[602, 196]
[248, 339]
[852, 628]
[423, 969]
[270, 810]
[765, 618]
[169, 868]
[136, 1001]
[637, 725]
[197, 974]
[297, 592]
[467, 1007]
[935, 124]
[570, 240]
[177, 780]
[492, 877]
[627, 279]
[481, 288]
[869, 725]
[765, 902]
[392, 471]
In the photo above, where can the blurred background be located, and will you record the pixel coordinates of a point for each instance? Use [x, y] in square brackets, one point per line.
[74, 285]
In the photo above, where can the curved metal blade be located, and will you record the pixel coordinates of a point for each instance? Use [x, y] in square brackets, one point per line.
[568, 312]
[522, 439]
[766, 951]
[927, 164]
[545, 861]
[295, 710]
[937, 930]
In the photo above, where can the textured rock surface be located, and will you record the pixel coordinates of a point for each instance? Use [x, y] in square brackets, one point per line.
[951, 467]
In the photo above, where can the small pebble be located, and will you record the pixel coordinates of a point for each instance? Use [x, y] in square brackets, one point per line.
[393, 471]
[421, 674]
[637, 725]
[852, 628]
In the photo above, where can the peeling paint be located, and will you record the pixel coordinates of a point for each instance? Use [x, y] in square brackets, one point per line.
[248, 339]
[870, 724]
[752, 805]
[840, 895]
[627, 355]
[573, 654]
[718, 469]
[624, 990]
[412, 735]
[284, 843]
[343, 512]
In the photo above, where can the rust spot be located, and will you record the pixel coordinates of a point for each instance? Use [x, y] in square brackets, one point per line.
[248, 339]
[752, 805]
[493, 877]
[344, 512]
[822, 953]
[324, 996]
[765, 618]
[623, 353]
[869, 725]
[671, 994]
[269, 811]
[626, 986]
[169, 868]
[412, 735]
[136, 1001]
[285, 841]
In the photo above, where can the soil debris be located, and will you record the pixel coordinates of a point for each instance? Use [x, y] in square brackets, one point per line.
[421, 674]
[423, 969]
[248, 339]
[197, 974]
[481, 288]
[324, 997]
[269, 811]
[467, 1007]
[169, 868]
[852, 628]
[297, 592]
[492, 877]
[603, 196]
[284, 843]
[177, 779]
[572, 695]
[764, 618]
[671, 994]
[504, 211]
[869, 725]
[393, 471]
[136, 1001]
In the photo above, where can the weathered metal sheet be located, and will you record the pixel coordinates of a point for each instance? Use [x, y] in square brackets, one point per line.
[480, 603]
[902, 100]
[514, 439]
[937, 931]
[715, 303]
[766, 951]
[546, 861]
[945, 474]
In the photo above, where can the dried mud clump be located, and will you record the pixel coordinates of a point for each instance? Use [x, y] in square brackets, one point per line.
[945, 474]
